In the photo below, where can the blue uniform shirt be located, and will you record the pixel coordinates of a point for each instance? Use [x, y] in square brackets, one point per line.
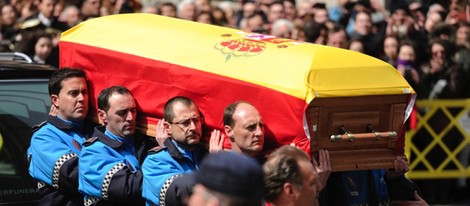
[162, 166]
[358, 186]
[53, 144]
[102, 157]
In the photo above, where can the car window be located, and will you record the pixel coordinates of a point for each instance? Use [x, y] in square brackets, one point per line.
[27, 100]
[23, 104]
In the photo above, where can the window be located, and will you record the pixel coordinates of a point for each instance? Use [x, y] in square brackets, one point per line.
[23, 104]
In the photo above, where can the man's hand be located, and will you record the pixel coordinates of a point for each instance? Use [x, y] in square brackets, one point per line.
[216, 143]
[323, 169]
[160, 134]
[54, 111]
[418, 202]
[401, 167]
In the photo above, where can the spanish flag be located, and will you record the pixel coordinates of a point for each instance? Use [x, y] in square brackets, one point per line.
[158, 57]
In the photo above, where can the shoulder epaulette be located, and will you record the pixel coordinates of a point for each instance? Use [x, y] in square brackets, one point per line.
[156, 149]
[35, 128]
[90, 141]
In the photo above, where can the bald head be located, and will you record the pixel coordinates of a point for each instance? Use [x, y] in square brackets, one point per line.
[245, 128]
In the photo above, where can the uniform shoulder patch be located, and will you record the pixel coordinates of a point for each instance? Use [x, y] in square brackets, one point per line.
[156, 149]
[90, 141]
[35, 128]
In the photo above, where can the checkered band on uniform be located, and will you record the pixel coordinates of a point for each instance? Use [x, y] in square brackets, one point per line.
[165, 187]
[108, 177]
[91, 201]
[57, 166]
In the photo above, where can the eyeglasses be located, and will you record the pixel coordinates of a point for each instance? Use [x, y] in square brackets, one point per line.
[187, 122]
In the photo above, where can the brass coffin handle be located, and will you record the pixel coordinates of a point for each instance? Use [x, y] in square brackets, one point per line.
[350, 136]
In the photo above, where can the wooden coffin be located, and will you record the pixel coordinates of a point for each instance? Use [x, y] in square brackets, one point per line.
[215, 66]
[360, 133]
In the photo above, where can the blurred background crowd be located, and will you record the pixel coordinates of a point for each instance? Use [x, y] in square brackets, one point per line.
[424, 39]
[376, 27]
[427, 41]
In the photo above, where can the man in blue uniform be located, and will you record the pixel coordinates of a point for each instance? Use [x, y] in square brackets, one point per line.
[56, 144]
[164, 183]
[109, 166]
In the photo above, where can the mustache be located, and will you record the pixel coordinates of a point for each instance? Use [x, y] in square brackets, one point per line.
[191, 133]
[129, 125]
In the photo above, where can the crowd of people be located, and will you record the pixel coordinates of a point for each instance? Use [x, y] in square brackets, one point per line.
[427, 41]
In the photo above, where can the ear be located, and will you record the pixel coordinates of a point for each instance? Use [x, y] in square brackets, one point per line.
[55, 100]
[167, 127]
[102, 117]
[229, 132]
[289, 190]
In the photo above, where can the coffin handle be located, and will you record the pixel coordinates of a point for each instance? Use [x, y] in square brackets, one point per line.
[351, 137]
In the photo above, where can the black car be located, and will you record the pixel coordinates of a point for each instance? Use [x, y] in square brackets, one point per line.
[24, 102]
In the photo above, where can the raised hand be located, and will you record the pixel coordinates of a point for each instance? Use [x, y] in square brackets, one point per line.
[216, 143]
[161, 134]
[323, 168]
[54, 111]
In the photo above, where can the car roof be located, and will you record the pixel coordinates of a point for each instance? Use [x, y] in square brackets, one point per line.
[24, 70]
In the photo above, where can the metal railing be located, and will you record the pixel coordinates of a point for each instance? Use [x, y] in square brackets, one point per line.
[439, 146]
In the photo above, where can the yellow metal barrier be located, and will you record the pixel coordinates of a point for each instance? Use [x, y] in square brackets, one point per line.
[439, 146]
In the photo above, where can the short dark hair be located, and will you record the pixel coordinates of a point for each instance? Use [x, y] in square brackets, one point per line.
[281, 167]
[291, 1]
[319, 6]
[365, 12]
[229, 110]
[55, 1]
[105, 94]
[55, 82]
[336, 28]
[407, 42]
[169, 4]
[79, 3]
[168, 113]
[313, 30]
